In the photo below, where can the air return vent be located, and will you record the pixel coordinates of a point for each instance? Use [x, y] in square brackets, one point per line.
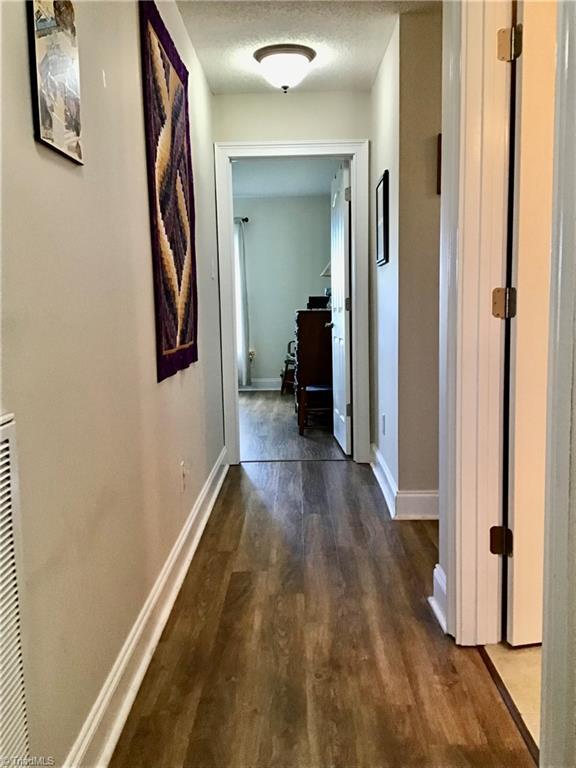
[13, 728]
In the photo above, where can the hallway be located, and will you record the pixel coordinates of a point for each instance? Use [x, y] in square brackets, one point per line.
[302, 639]
[269, 431]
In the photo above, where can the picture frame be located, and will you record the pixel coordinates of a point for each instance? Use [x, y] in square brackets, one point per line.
[55, 76]
[383, 219]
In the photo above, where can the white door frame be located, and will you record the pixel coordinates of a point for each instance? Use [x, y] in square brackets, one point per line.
[467, 579]
[558, 741]
[357, 153]
[471, 460]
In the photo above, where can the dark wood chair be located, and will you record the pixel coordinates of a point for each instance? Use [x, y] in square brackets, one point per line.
[313, 372]
[287, 374]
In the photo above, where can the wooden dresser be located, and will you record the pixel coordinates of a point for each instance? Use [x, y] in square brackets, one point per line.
[313, 374]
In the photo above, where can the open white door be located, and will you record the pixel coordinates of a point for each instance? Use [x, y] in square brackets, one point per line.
[529, 361]
[340, 272]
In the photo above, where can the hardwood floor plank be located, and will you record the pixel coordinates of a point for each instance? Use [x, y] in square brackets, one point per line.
[254, 547]
[287, 547]
[331, 732]
[174, 681]
[284, 741]
[302, 638]
[227, 723]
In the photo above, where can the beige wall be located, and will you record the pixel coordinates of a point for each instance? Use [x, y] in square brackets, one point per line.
[99, 441]
[384, 317]
[406, 119]
[291, 116]
[419, 237]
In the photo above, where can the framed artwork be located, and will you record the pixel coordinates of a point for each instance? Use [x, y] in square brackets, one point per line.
[170, 194]
[55, 76]
[383, 219]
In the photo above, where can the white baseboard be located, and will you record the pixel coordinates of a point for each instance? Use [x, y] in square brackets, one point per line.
[101, 730]
[385, 479]
[263, 385]
[403, 505]
[417, 505]
[438, 601]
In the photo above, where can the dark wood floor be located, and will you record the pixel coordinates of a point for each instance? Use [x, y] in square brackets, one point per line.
[302, 639]
[269, 431]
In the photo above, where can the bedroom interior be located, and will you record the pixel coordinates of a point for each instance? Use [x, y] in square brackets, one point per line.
[282, 239]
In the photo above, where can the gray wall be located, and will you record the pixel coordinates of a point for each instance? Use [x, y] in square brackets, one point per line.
[287, 247]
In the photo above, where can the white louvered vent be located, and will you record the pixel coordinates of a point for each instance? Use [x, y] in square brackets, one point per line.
[13, 724]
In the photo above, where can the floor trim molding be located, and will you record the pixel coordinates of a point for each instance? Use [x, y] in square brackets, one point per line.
[263, 385]
[102, 728]
[439, 600]
[385, 479]
[417, 505]
[402, 505]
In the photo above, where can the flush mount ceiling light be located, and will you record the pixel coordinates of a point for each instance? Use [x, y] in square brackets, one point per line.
[285, 65]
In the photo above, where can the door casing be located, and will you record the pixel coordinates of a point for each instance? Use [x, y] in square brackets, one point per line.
[475, 119]
[357, 153]
[558, 738]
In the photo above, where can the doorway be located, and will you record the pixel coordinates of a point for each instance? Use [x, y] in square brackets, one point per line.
[291, 268]
[517, 659]
[353, 156]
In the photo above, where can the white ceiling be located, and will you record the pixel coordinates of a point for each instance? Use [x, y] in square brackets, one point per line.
[349, 38]
[283, 176]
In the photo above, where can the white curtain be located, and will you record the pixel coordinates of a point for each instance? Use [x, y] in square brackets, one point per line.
[242, 324]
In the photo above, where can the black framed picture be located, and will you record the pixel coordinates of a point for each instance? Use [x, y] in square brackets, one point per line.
[383, 219]
[55, 74]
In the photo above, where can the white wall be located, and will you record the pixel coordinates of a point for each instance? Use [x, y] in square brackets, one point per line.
[99, 441]
[291, 116]
[287, 247]
[406, 119]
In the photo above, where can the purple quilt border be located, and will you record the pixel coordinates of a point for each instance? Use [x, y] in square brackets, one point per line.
[167, 365]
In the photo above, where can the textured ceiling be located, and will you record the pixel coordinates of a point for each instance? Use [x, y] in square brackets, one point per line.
[349, 38]
[283, 176]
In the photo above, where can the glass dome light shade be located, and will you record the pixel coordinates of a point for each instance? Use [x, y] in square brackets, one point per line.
[285, 66]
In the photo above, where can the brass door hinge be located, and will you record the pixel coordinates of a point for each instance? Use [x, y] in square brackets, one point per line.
[348, 194]
[504, 303]
[347, 303]
[510, 43]
[501, 540]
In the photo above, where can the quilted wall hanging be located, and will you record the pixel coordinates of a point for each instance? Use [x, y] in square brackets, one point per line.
[171, 195]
